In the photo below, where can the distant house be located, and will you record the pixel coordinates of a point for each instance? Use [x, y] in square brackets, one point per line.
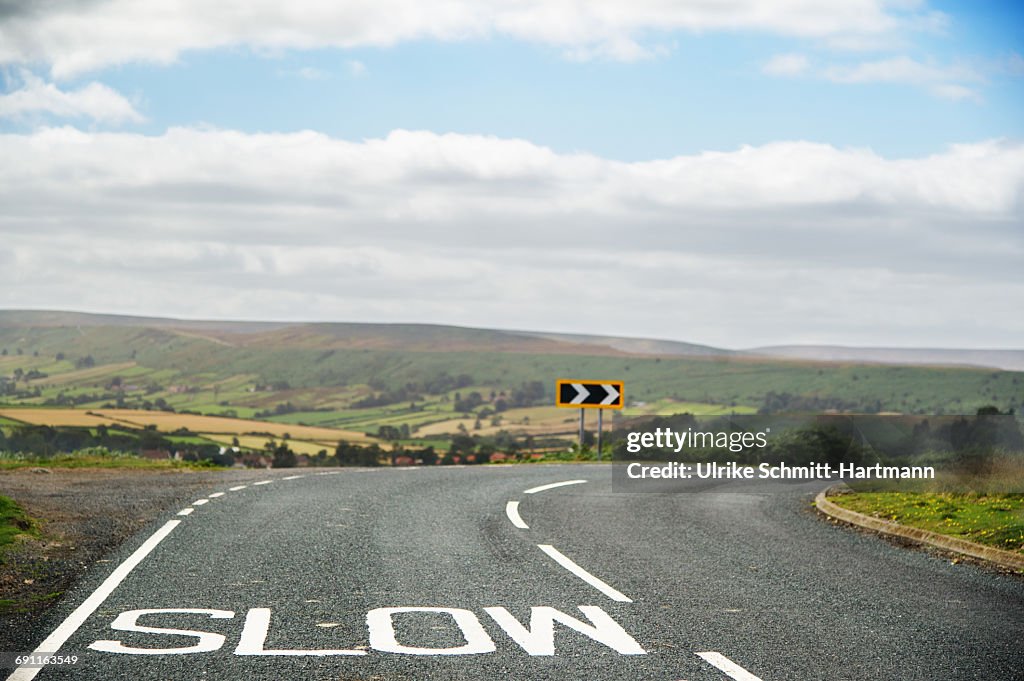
[253, 460]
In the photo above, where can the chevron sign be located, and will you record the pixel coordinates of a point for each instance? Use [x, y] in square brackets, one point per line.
[589, 394]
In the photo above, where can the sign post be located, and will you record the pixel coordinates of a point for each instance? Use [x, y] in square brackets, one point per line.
[584, 395]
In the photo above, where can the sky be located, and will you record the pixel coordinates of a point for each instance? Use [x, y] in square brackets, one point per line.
[737, 174]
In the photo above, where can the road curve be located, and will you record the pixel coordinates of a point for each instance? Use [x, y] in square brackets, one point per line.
[425, 573]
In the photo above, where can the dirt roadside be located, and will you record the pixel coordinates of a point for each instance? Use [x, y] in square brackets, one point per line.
[83, 514]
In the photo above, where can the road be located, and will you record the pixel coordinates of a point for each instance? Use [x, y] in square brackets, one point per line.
[431, 573]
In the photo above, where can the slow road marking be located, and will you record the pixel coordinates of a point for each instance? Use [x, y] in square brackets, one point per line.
[536, 636]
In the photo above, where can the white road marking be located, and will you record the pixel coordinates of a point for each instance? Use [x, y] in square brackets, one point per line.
[69, 626]
[330, 473]
[512, 511]
[200, 502]
[216, 494]
[381, 626]
[235, 489]
[534, 490]
[293, 477]
[731, 669]
[262, 482]
[186, 511]
[539, 638]
[129, 621]
[254, 637]
[590, 579]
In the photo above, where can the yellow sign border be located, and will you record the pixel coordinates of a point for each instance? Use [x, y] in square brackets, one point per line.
[620, 385]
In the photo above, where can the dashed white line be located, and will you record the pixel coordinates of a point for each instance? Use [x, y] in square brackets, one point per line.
[512, 511]
[216, 494]
[293, 477]
[603, 587]
[553, 485]
[262, 482]
[69, 626]
[731, 669]
[200, 502]
[186, 511]
[235, 489]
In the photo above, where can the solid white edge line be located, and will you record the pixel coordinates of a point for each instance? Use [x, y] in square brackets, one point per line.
[186, 511]
[723, 663]
[69, 626]
[512, 511]
[603, 587]
[534, 490]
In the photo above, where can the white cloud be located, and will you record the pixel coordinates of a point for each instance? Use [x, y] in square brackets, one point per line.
[356, 68]
[954, 92]
[95, 101]
[953, 81]
[310, 73]
[900, 69]
[740, 248]
[786, 65]
[74, 37]
[304, 73]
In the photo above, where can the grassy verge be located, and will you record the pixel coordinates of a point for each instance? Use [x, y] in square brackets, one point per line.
[991, 519]
[97, 458]
[13, 522]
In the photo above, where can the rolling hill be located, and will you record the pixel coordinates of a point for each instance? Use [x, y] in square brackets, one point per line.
[431, 381]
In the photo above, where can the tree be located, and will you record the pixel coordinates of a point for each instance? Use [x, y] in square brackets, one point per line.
[283, 457]
[428, 456]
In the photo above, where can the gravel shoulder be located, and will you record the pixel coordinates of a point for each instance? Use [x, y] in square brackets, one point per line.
[83, 515]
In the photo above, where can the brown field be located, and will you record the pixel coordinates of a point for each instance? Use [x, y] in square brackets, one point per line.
[57, 417]
[542, 421]
[168, 422]
[256, 442]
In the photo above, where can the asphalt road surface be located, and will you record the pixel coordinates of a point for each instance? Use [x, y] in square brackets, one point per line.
[431, 573]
